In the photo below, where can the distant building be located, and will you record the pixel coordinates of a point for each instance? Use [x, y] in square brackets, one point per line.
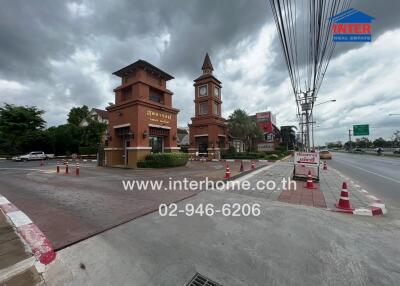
[96, 114]
[267, 122]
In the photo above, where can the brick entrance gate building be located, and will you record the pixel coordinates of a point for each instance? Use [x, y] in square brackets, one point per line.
[208, 131]
[142, 120]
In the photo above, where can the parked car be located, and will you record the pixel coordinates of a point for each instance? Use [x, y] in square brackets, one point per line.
[325, 155]
[35, 155]
[396, 151]
[359, 151]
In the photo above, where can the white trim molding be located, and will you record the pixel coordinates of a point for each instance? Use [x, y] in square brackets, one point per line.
[221, 135]
[122, 125]
[159, 126]
[112, 149]
[172, 148]
[138, 148]
[201, 135]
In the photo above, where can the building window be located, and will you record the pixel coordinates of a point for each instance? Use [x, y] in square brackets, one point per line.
[217, 92]
[203, 90]
[156, 143]
[126, 94]
[156, 96]
[216, 108]
[203, 108]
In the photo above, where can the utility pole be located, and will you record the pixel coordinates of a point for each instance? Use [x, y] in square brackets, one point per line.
[350, 139]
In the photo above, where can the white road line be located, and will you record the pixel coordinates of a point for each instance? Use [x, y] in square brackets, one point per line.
[376, 174]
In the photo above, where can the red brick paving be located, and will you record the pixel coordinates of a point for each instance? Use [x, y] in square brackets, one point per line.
[303, 196]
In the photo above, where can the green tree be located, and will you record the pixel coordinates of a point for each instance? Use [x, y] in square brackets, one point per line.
[65, 139]
[77, 114]
[92, 133]
[245, 128]
[17, 122]
[380, 142]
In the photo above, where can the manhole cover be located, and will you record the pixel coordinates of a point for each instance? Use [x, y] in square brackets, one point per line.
[200, 280]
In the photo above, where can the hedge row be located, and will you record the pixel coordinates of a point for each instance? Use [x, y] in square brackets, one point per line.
[163, 160]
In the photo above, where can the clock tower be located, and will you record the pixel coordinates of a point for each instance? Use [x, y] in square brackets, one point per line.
[208, 131]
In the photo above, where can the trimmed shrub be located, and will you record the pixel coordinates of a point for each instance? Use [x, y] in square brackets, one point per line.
[243, 155]
[164, 160]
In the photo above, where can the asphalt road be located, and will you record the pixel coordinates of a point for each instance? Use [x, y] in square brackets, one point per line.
[378, 175]
[68, 208]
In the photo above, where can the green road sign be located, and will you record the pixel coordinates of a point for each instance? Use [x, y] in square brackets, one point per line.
[361, 130]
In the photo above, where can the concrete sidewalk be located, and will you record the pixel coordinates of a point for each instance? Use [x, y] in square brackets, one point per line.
[326, 194]
[286, 245]
[16, 262]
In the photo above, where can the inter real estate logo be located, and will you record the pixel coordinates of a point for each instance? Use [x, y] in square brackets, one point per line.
[352, 26]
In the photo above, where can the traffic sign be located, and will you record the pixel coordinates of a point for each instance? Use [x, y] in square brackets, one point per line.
[361, 130]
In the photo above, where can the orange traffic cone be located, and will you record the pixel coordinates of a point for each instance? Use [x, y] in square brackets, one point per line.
[58, 167]
[241, 166]
[41, 163]
[77, 169]
[325, 168]
[227, 172]
[344, 201]
[310, 182]
[253, 165]
[66, 167]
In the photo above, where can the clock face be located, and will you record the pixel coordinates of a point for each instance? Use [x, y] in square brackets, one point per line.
[216, 91]
[203, 90]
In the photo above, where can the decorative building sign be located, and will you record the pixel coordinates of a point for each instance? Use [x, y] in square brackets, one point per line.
[160, 117]
[266, 147]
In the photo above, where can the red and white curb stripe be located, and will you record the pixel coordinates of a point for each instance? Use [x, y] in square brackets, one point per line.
[376, 207]
[31, 234]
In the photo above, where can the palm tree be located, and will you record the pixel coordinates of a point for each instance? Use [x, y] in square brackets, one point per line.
[243, 127]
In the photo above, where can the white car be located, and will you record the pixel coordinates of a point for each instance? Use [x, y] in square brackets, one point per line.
[35, 155]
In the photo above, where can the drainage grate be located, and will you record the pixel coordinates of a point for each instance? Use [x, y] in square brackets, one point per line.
[200, 280]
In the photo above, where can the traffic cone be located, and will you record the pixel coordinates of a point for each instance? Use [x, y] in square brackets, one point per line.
[253, 165]
[58, 167]
[344, 201]
[325, 168]
[77, 169]
[241, 166]
[227, 172]
[310, 182]
[41, 163]
[66, 167]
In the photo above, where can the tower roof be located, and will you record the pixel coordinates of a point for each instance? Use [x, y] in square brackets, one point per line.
[143, 65]
[207, 63]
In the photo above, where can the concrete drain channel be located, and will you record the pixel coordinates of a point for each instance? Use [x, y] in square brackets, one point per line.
[200, 280]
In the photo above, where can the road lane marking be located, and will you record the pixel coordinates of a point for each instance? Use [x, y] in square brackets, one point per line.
[376, 174]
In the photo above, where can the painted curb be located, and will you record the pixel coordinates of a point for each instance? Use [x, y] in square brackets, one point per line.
[30, 233]
[375, 208]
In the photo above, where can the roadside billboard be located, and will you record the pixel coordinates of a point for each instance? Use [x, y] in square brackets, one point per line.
[266, 120]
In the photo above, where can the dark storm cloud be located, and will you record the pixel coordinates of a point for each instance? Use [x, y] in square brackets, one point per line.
[35, 34]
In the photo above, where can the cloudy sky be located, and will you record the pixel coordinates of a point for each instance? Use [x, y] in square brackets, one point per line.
[61, 54]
